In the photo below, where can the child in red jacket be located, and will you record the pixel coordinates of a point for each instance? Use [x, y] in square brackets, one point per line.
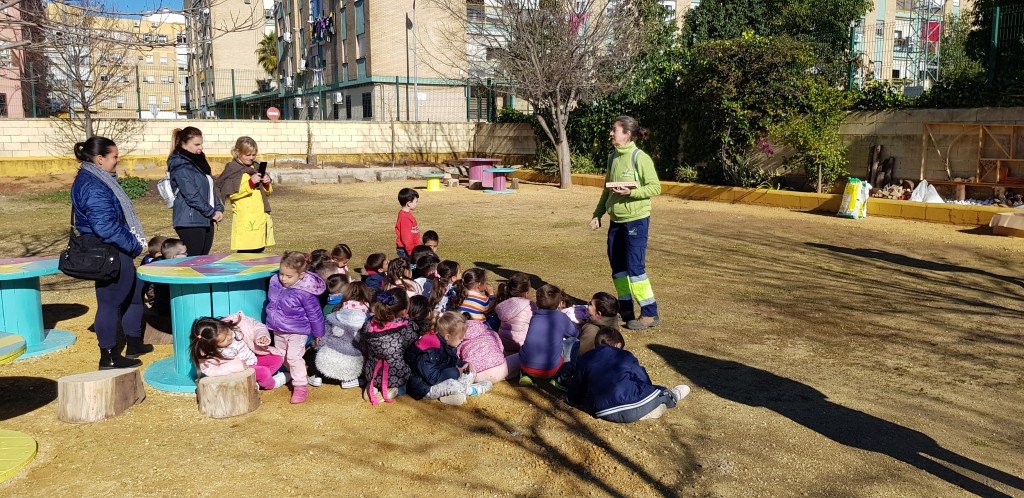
[407, 232]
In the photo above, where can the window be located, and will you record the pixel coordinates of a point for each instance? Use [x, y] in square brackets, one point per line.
[5, 58]
[3, 105]
[344, 24]
[361, 46]
[152, 100]
[163, 59]
[150, 79]
[161, 39]
[104, 77]
[165, 79]
[166, 99]
[120, 101]
[180, 39]
[149, 59]
[344, 72]
[367, 105]
[348, 107]
[360, 18]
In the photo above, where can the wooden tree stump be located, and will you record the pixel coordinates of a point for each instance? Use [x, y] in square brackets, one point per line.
[95, 396]
[515, 184]
[228, 395]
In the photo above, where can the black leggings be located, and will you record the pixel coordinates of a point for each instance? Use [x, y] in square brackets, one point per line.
[198, 240]
[119, 302]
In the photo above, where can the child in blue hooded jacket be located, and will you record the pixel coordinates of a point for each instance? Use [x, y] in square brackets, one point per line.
[609, 383]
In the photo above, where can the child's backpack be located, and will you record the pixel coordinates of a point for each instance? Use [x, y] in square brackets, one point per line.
[167, 193]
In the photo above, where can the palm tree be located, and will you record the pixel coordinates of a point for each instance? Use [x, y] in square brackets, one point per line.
[266, 53]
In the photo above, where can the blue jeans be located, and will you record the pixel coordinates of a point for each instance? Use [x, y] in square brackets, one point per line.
[627, 254]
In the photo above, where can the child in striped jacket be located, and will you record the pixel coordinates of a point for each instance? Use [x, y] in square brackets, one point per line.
[473, 295]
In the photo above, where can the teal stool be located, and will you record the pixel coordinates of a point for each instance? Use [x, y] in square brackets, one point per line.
[21, 308]
[212, 285]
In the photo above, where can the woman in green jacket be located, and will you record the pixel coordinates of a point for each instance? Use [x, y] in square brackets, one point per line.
[629, 210]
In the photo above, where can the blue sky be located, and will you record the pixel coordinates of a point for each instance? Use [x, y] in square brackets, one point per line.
[138, 6]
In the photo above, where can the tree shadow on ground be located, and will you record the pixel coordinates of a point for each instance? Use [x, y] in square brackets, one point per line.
[911, 262]
[56, 313]
[563, 437]
[812, 409]
[29, 245]
[536, 282]
[21, 395]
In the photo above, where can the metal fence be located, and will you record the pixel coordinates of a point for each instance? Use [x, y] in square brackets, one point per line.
[144, 91]
[1006, 55]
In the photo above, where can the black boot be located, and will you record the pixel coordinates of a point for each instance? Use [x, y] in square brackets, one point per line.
[136, 347]
[111, 358]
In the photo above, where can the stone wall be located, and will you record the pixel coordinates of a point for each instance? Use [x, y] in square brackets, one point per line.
[27, 149]
[900, 134]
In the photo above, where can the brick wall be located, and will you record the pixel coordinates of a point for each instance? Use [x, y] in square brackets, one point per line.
[900, 134]
[25, 146]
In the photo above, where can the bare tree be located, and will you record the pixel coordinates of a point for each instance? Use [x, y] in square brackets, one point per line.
[557, 53]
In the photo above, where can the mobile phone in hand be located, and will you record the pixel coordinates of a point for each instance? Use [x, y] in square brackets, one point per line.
[263, 168]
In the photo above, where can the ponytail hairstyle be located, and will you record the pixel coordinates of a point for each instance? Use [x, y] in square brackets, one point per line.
[318, 257]
[440, 281]
[244, 146]
[360, 292]
[609, 336]
[341, 251]
[92, 147]
[182, 135]
[470, 278]
[549, 297]
[396, 272]
[389, 305]
[419, 312]
[516, 286]
[630, 125]
[204, 339]
[295, 260]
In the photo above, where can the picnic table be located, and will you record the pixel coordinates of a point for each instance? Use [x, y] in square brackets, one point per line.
[212, 285]
[21, 309]
[478, 169]
[499, 180]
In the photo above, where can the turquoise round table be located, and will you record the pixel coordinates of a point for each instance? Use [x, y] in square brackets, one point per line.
[21, 308]
[498, 186]
[211, 285]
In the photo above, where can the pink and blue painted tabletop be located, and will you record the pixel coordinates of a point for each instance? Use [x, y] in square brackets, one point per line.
[15, 268]
[212, 268]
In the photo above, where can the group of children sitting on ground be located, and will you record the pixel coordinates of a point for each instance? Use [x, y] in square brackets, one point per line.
[422, 326]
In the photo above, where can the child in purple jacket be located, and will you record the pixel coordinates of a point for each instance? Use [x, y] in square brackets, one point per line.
[294, 314]
[541, 355]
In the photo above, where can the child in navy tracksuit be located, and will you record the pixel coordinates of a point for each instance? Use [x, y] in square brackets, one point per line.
[541, 354]
[609, 383]
[437, 371]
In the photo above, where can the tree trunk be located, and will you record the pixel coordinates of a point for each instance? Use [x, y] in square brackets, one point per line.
[228, 395]
[564, 156]
[95, 396]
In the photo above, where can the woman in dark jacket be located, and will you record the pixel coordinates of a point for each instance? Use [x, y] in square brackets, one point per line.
[101, 208]
[196, 206]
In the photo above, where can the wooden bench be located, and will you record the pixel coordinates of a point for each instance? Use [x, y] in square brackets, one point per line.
[960, 191]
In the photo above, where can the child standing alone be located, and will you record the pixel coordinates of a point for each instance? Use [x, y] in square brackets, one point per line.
[294, 314]
[407, 231]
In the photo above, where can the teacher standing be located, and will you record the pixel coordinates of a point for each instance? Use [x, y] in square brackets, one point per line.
[196, 205]
[252, 230]
[629, 210]
[101, 208]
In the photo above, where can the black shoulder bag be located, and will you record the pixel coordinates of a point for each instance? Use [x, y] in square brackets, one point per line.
[87, 257]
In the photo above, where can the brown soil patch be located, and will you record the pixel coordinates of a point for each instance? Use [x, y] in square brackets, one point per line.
[828, 357]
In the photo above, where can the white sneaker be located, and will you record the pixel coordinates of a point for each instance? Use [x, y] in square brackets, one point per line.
[453, 399]
[681, 391]
[655, 413]
[280, 379]
[350, 384]
[479, 388]
[315, 381]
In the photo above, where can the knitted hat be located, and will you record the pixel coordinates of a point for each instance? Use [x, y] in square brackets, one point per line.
[351, 320]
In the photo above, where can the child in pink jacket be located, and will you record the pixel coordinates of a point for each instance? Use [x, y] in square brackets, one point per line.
[482, 349]
[232, 344]
[515, 310]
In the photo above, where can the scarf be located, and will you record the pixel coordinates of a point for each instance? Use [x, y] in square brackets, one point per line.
[229, 182]
[197, 160]
[127, 208]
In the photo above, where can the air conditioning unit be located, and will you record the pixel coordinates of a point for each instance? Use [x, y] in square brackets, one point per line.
[315, 101]
[302, 65]
[298, 102]
[287, 36]
[338, 98]
[288, 81]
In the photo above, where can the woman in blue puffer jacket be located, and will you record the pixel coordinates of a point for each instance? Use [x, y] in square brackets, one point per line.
[101, 208]
[197, 205]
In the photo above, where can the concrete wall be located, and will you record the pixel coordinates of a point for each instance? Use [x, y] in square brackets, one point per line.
[26, 144]
[900, 133]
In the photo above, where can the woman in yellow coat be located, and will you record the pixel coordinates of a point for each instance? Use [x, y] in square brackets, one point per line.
[252, 230]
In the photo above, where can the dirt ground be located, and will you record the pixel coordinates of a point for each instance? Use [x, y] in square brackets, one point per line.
[828, 357]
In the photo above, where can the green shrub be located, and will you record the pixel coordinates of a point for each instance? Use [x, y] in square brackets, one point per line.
[134, 186]
[878, 95]
[686, 174]
[511, 115]
[547, 162]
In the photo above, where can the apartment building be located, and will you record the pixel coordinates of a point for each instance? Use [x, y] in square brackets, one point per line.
[158, 88]
[899, 41]
[11, 72]
[222, 37]
[368, 60]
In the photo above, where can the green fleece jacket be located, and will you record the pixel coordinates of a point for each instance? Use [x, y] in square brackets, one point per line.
[636, 205]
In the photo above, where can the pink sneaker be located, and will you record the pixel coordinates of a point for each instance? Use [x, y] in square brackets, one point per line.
[299, 394]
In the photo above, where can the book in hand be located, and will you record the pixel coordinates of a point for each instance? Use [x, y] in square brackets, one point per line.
[620, 184]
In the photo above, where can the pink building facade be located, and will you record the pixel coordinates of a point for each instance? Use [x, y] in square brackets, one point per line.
[11, 104]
